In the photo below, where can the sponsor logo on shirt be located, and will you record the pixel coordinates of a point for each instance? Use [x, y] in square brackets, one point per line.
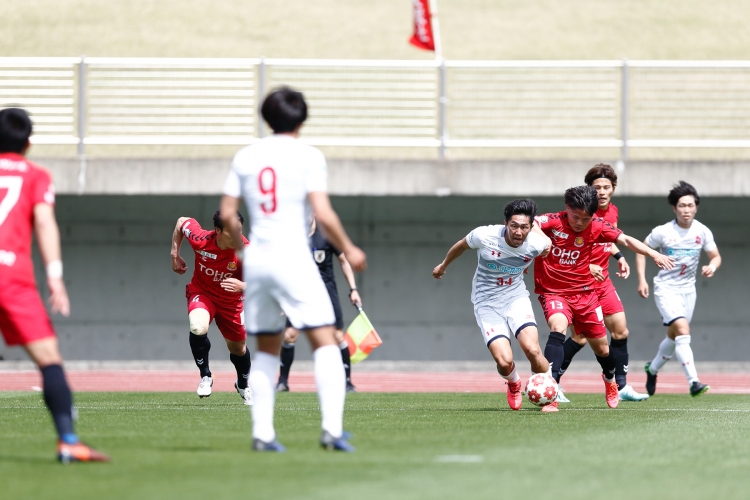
[7, 258]
[697, 240]
[13, 166]
[207, 255]
[217, 275]
[492, 266]
[560, 234]
[543, 218]
[567, 257]
[232, 266]
[319, 256]
[505, 269]
[683, 252]
[578, 241]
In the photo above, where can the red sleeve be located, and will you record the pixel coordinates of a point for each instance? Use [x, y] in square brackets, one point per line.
[42, 189]
[609, 233]
[194, 233]
[547, 222]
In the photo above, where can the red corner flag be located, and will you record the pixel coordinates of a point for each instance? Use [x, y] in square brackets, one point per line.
[422, 37]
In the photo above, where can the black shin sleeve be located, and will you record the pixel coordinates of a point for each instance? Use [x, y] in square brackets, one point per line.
[570, 349]
[619, 349]
[346, 359]
[287, 358]
[58, 398]
[608, 365]
[554, 353]
[200, 345]
[242, 365]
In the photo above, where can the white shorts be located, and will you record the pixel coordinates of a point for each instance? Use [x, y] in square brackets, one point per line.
[284, 284]
[501, 319]
[674, 304]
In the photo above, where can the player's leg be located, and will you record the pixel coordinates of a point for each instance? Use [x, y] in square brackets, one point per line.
[672, 310]
[618, 327]
[346, 359]
[589, 322]
[493, 325]
[200, 315]
[559, 316]
[287, 357]
[522, 323]
[231, 324]
[680, 332]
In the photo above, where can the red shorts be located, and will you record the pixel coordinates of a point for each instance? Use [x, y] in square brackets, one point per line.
[230, 319]
[23, 317]
[582, 310]
[608, 298]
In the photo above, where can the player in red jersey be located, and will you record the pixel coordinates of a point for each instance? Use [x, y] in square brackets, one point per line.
[566, 287]
[214, 293]
[27, 200]
[604, 179]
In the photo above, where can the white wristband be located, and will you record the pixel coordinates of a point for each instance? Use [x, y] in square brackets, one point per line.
[55, 269]
[712, 268]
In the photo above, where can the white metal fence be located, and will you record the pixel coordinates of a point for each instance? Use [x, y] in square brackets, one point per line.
[432, 104]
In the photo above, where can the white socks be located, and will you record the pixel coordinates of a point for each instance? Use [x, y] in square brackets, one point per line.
[261, 381]
[331, 383]
[512, 376]
[666, 350]
[685, 356]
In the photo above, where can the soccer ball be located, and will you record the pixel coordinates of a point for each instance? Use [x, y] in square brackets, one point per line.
[541, 389]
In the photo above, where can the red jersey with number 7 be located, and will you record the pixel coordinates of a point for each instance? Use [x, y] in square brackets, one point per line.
[566, 269]
[23, 185]
[212, 264]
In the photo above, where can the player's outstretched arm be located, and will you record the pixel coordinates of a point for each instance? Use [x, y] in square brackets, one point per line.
[178, 263]
[455, 252]
[662, 261]
[346, 268]
[709, 270]
[48, 239]
[640, 269]
[622, 264]
[334, 231]
[229, 207]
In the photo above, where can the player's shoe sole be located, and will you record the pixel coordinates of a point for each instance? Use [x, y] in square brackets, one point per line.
[246, 395]
[282, 387]
[696, 389]
[650, 380]
[79, 452]
[273, 446]
[204, 388]
[550, 408]
[561, 396]
[515, 399]
[331, 443]
[627, 393]
[611, 393]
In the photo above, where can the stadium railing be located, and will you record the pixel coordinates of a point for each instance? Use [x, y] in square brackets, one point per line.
[379, 103]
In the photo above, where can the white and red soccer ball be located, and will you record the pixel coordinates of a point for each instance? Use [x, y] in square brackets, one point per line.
[541, 389]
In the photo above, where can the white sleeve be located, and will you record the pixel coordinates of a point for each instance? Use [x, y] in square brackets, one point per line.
[654, 239]
[233, 184]
[709, 245]
[317, 173]
[539, 244]
[474, 238]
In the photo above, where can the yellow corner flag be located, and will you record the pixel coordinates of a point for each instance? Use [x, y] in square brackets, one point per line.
[361, 337]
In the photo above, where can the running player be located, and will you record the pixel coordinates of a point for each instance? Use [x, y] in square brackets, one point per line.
[323, 253]
[604, 179]
[27, 200]
[215, 292]
[498, 292]
[674, 290]
[283, 181]
[566, 287]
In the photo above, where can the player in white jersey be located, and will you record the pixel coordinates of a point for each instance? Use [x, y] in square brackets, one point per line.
[282, 181]
[498, 292]
[674, 290]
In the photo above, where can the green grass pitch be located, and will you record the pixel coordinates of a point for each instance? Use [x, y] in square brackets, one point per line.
[175, 446]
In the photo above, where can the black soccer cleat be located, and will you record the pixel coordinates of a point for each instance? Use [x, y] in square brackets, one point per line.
[350, 387]
[696, 388]
[329, 442]
[282, 386]
[650, 381]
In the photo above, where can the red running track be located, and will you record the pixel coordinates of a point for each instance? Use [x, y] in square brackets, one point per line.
[187, 381]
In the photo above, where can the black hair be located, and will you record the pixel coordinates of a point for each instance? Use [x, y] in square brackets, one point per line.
[284, 110]
[601, 171]
[582, 198]
[524, 206]
[680, 190]
[15, 130]
[220, 223]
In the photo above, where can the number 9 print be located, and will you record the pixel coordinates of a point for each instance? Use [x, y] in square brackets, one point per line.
[267, 186]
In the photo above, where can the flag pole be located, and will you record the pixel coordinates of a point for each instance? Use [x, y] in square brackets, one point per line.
[436, 29]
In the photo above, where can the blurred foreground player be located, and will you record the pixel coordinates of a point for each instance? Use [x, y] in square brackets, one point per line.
[566, 287]
[215, 292]
[604, 179]
[27, 199]
[674, 290]
[498, 292]
[283, 181]
[323, 253]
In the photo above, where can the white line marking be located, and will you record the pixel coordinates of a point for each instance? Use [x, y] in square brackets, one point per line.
[462, 459]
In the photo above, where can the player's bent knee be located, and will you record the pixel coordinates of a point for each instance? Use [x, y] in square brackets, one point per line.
[199, 321]
[620, 335]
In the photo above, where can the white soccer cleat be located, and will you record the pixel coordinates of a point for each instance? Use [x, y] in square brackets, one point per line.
[627, 393]
[561, 395]
[246, 394]
[204, 388]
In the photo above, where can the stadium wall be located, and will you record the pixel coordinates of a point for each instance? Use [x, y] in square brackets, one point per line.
[129, 305]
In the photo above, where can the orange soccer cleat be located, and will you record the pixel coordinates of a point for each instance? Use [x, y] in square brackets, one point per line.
[611, 393]
[78, 452]
[514, 395]
[551, 408]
